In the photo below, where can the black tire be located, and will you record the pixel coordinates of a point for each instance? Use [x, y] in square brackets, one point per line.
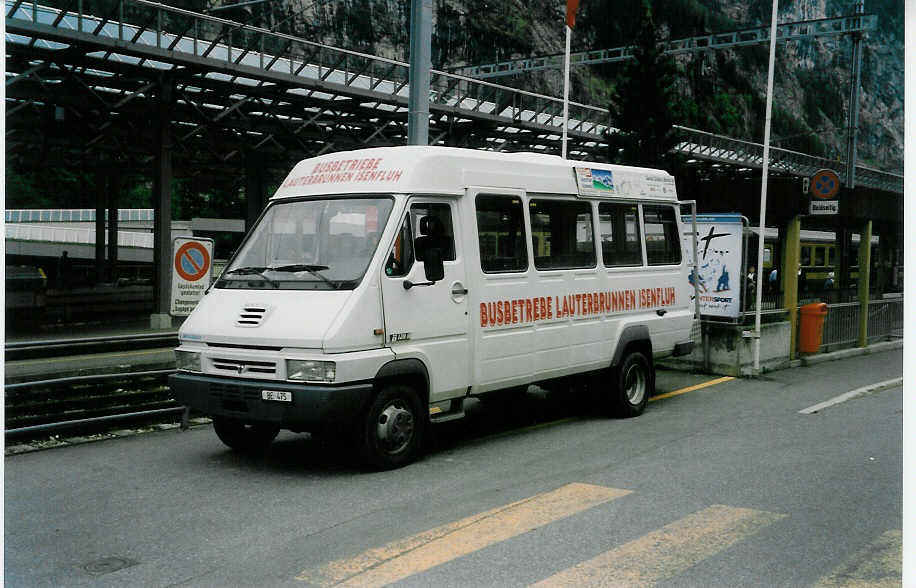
[242, 436]
[634, 383]
[391, 433]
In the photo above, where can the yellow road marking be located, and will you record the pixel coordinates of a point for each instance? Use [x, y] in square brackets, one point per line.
[668, 551]
[878, 565]
[691, 388]
[400, 559]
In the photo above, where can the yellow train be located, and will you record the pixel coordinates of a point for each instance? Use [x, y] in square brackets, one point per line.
[819, 258]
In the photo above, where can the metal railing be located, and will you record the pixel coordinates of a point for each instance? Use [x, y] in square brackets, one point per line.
[885, 319]
[74, 235]
[841, 326]
[784, 32]
[74, 215]
[714, 147]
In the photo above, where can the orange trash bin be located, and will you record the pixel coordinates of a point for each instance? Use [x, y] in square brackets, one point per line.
[811, 327]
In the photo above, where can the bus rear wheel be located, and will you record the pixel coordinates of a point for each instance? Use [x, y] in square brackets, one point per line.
[635, 382]
[243, 436]
[392, 430]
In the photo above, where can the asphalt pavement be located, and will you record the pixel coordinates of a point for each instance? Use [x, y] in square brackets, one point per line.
[721, 482]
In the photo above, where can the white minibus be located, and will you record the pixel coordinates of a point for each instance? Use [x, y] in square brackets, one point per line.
[381, 288]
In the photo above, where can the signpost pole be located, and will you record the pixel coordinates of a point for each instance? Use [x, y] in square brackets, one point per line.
[420, 63]
[763, 184]
[566, 91]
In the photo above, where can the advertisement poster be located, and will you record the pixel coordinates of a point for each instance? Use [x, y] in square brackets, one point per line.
[719, 255]
[603, 183]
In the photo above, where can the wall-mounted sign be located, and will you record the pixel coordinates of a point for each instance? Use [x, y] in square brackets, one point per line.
[191, 268]
[824, 207]
[824, 187]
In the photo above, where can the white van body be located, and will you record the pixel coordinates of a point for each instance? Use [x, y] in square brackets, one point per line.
[303, 346]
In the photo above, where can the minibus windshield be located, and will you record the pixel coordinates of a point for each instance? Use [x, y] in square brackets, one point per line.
[310, 245]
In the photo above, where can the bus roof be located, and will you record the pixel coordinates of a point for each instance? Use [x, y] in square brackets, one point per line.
[449, 170]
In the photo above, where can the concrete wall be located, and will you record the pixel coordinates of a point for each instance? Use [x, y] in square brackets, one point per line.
[731, 354]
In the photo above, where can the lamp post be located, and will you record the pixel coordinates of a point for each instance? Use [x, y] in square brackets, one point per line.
[763, 185]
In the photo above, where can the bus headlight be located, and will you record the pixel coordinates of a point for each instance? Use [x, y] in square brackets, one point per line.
[188, 361]
[310, 371]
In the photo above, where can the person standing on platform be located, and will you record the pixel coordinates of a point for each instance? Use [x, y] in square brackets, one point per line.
[773, 281]
[64, 270]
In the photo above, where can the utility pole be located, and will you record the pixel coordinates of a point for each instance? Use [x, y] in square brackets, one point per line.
[852, 129]
[421, 33]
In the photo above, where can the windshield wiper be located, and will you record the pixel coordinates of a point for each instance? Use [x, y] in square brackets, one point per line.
[301, 267]
[252, 270]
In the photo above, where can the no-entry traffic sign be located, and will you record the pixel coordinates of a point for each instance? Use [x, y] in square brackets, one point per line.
[192, 261]
[825, 184]
[191, 278]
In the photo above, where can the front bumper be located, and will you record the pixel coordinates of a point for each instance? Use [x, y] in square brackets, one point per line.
[241, 399]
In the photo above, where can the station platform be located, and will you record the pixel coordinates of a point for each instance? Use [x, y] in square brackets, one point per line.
[83, 360]
[137, 325]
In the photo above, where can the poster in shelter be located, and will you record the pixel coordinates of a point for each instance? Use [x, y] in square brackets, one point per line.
[719, 257]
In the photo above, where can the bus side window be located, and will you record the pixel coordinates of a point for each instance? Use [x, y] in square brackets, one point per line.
[620, 238]
[663, 246]
[806, 255]
[400, 260]
[567, 226]
[501, 234]
[830, 255]
[819, 256]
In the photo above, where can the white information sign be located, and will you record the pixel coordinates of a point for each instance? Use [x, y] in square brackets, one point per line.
[825, 207]
[719, 255]
[627, 183]
[192, 262]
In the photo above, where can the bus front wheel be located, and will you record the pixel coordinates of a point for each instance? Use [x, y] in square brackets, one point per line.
[393, 427]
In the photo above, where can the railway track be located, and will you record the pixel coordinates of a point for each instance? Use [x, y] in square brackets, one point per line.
[88, 403]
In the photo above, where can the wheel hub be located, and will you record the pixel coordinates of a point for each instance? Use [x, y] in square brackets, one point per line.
[395, 428]
[635, 385]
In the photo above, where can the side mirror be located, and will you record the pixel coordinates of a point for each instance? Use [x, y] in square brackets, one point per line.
[432, 264]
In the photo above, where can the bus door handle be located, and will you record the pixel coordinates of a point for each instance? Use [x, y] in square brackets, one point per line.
[458, 292]
[661, 312]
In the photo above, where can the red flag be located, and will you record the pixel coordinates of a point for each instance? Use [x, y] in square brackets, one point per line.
[571, 7]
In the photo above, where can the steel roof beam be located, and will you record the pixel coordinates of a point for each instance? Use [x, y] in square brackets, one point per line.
[789, 31]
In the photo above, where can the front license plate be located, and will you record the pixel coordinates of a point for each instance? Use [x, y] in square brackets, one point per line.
[277, 395]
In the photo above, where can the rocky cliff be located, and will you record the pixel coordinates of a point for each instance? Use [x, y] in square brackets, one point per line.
[722, 91]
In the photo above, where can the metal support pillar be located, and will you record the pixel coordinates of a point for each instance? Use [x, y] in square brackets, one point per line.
[101, 191]
[162, 213]
[863, 281]
[883, 251]
[790, 234]
[853, 124]
[115, 186]
[255, 189]
[843, 235]
[421, 27]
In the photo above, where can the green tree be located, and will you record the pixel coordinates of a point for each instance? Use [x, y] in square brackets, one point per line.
[645, 105]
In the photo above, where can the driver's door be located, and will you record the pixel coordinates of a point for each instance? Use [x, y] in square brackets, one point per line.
[429, 322]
